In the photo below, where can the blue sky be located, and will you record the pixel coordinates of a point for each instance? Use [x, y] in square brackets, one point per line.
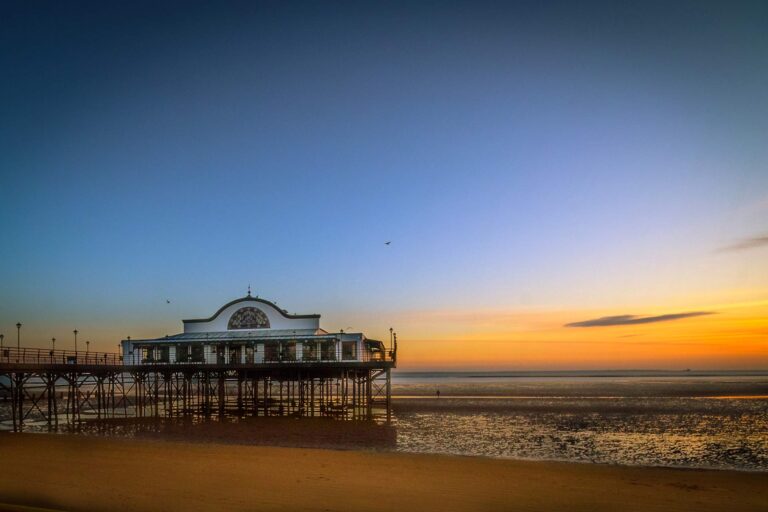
[516, 155]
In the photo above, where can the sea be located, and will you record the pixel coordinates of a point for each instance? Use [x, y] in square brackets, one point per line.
[687, 419]
[648, 418]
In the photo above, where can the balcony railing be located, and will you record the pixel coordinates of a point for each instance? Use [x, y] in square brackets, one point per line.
[240, 359]
[38, 356]
[43, 356]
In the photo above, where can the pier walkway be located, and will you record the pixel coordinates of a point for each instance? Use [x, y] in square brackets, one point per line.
[51, 387]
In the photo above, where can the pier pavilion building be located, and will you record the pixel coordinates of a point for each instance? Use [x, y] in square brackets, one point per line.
[251, 358]
[251, 330]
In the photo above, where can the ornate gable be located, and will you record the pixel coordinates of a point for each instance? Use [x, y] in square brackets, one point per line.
[248, 318]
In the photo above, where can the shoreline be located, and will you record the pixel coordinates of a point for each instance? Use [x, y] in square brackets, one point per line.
[379, 450]
[99, 473]
[579, 397]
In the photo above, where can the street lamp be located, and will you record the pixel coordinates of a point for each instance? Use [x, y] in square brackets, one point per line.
[87, 344]
[53, 344]
[75, 333]
[18, 335]
[393, 352]
[2, 337]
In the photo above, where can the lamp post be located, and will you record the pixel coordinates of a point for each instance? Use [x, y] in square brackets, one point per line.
[53, 344]
[18, 335]
[75, 333]
[87, 345]
[394, 350]
[2, 337]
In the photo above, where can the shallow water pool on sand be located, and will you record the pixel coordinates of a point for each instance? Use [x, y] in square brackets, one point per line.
[698, 422]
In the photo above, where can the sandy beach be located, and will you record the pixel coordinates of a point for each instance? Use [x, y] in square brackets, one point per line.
[88, 473]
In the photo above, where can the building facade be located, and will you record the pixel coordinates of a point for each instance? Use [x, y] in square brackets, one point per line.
[254, 331]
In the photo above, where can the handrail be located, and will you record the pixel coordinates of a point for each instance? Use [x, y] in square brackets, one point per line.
[238, 358]
[43, 356]
[39, 356]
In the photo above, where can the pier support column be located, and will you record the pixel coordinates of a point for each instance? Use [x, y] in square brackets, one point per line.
[222, 393]
[369, 395]
[389, 395]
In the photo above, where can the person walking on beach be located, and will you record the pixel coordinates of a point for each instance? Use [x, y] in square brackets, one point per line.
[438, 394]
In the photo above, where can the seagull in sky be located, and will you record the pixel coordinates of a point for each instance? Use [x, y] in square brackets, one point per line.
[387, 243]
[167, 301]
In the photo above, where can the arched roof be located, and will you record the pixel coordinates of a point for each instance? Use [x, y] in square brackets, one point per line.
[251, 299]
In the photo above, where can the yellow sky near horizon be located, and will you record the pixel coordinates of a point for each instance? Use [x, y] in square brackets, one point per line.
[734, 336]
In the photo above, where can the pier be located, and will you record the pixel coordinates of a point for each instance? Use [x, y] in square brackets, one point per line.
[250, 358]
[51, 387]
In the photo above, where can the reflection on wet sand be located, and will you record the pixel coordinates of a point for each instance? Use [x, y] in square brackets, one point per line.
[262, 431]
[650, 431]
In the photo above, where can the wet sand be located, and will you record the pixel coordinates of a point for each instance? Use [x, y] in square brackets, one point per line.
[262, 431]
[89, 474]
[625, 387]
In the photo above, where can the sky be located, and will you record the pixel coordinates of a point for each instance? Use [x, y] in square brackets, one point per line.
[565, 185]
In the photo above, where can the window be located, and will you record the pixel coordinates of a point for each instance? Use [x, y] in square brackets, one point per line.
[198, 355]
[349, 350]
[235, 355]
[182, 353]
[310, 351]
[375, 350]
[147, 355]
[164, 355]
[328, 351]
[270, 351]
[248, 318]
[289, 351]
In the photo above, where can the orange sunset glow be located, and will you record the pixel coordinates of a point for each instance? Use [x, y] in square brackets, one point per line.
[736, 336]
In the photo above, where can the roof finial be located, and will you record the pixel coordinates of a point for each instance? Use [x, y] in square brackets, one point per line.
[249, 289]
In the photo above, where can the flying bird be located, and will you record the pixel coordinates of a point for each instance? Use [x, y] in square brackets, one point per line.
[167, 301]
[387, 243]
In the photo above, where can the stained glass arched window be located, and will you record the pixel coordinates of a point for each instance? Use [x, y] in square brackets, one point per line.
[248, 318]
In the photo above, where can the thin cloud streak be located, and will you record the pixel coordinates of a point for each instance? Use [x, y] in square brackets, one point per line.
[748, 243]
[607, 321]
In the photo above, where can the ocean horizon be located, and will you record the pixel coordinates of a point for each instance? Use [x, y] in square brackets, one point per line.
[436, 374]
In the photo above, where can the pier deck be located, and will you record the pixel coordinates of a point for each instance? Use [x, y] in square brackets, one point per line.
[53, 387]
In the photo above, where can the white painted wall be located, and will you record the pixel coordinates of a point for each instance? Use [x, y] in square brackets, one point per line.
[276, 319]
[210, 357]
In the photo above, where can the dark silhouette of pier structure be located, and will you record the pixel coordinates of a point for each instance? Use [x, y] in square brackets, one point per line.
[50, 387]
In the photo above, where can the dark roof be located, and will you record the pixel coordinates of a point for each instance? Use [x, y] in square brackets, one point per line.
[250, 298]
